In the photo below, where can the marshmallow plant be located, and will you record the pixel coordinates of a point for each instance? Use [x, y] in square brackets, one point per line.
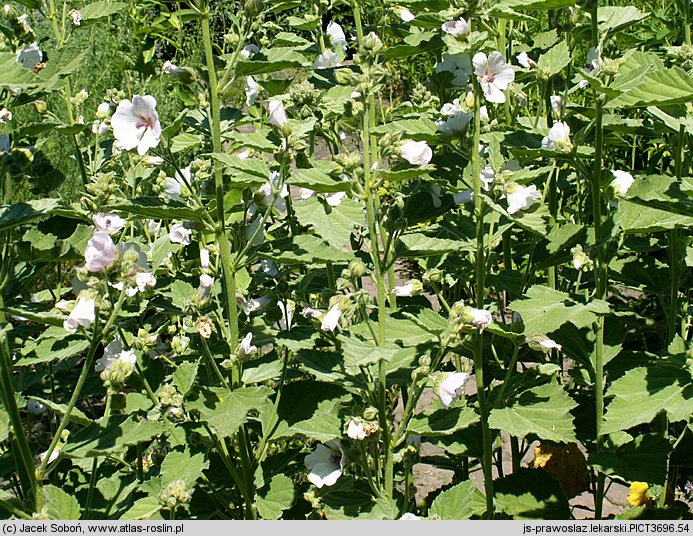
[299, 245]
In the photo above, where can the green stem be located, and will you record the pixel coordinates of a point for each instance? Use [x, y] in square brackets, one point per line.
[95, 341]
[487, 462]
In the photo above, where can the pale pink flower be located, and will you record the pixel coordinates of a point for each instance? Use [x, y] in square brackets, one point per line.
[136, 124]
[494, 75]
[100, 253]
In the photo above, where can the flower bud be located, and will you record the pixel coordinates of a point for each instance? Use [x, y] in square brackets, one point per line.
[370, 413]
[254, 7]
[40, 106]
[175, 494]
[357, 268]
[372, 43]
[179, 344]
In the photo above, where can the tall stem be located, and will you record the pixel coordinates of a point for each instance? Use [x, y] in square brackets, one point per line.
[487, 462]
[224, 244]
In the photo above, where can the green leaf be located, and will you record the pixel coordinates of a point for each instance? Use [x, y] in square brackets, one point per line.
[184, 376]
[59, 504]
[157, 209]
[183, 466]
[543, 411]
[544, 310]
[662, 192]
[255, 167]
[633, 218]
[334, 224]
[361, 352]
[144, 508]
[459, 502]
[162, 248]
[225, 411]
[302, 249]
[277, 498]
[4, 424]
[617, 18]
[555, 60]
[20, 213]
[531, 5]
[416, 129]
[111, 437]
[442, 422]
[76, 415]
[531, 494]
[415, 43]
[317, 179]
[277, 59]
[643, 392]
[644, 459]
[185, 141]
[661, 87]
[52, 349]
[13, 75]
[420, 245]
[98, 10]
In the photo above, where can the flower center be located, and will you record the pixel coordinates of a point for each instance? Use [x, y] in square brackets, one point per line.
[335, 459]
[145, 122]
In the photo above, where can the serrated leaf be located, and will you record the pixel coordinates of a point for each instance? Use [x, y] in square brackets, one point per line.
[420, 245]
[104, 438]
[59, 504]
[53, 349]
[416, 129]
[98, 10]
[644, 459]
[532, 5]
[4, 424]
[443, 422]
[185, 141]
[13, 75]
[277, 59]
[157, 209]
[302, 249]
[617, 18]
[20, 213]
[555, 60]
[661, 87]
[543, 411]
[317, 179]
[184, 376]
[183, 466]
[76, 415]
[225, 411]
[144, 508]
[279, 497]
[162, 249]
[334, 224]
[531, 494]
[544, 310]
[641, 393]
[459, 502]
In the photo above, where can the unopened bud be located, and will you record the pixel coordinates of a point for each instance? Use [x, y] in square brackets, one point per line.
[40, 106]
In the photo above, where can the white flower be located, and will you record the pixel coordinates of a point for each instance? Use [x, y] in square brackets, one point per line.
[249, 50]
[483, 114]
[170, 68]
[521, 197]
[75, 17]
[457, 28]
[204, 259]
[136, 124]
[326, 60]
[83, 314]
[62, 305]
[256, 231]
[100, 252]
[176, 185]
[180, 234]
[266, 193]
[406, 15]
[100, 127]
[447, 386]
[153, 160]
[277, 115]
[494, 75]
[558, 138]
[246, 347]
[54, 455]
[326, 464]
[557, 104]
[459, 65]
[309, 312]
[331, 320]
[287, 310]
[411, 288]
[479, 318]
[355, 430]
[253, 304]
[549, 344]
[252, 90]
[580, 258]
[408, 516]
[465, 196]
[205, 287]
[336, 34]
[593, 59]
[487, 176]
[145, 280]
[110, 354]
[30, 56]
[622, 181]
[5, 116]
[35, 407]
[416, 152]
[108, 223]
[457, 119]
[524, 60]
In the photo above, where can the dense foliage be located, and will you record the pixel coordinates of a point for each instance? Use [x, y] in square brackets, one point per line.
[262, 260]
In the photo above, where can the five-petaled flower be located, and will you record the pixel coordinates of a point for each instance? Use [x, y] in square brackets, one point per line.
[326, 463]
[100, 253]
[416, 152]
[136, 124]
[448, 386]
[494, 75]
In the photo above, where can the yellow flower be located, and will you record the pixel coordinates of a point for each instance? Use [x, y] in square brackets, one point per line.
[566, 464]
[638, 494]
